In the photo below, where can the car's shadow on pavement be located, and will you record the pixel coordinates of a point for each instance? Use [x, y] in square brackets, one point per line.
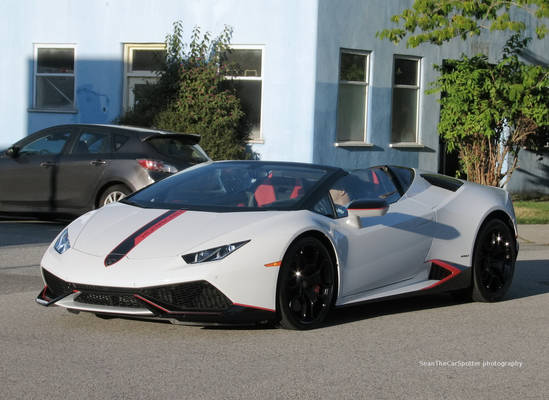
[388, 307]
[364, 311]
[531, 278]
[28, 232]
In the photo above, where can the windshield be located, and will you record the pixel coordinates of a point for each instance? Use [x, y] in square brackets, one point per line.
[233, 186]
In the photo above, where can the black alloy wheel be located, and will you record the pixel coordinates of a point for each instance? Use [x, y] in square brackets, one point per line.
[494, 261]
[306, 285]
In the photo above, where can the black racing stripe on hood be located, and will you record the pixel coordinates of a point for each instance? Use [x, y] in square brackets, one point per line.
[138, 236]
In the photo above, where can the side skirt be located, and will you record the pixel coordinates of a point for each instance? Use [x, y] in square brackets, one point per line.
[444, 277]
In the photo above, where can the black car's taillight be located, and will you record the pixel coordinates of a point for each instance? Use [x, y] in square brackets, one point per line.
[156, 166]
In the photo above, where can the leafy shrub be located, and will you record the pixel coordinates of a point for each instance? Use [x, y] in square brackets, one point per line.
[193, 96]
[489, 112]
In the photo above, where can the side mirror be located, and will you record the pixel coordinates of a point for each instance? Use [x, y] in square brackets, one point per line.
[12, 152]
[365, 208]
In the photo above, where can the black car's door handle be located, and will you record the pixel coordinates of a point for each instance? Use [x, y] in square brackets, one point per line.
[47, 164]
[98, 162]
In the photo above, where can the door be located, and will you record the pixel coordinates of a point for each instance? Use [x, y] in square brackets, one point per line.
[29, 180]
[81, 168]
[387, 249]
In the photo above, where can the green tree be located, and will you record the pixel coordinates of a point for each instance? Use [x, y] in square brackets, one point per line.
[192, 95]
[490, 111]
[438, 21]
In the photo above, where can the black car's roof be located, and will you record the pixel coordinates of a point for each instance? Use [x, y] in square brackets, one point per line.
[140, 132]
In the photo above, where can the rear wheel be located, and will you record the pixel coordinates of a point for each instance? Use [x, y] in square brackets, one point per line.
[306, 285]
[113, 194]
[494, 261]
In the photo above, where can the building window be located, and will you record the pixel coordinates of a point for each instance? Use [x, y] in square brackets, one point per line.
[406, 83]
[246, 71]
[352, 102]
[54, 74]
[142, 64]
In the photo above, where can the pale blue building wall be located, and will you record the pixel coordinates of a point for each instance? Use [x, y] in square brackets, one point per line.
[301, 41]
[352, 24]
[286, 29]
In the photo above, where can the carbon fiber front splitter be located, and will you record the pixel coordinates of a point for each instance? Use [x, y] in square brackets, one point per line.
[146, 308]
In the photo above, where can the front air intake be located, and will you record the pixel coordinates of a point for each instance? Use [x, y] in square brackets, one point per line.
[196, 296]
[57, 287]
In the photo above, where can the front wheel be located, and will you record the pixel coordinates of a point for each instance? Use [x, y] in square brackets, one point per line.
[494, 261]
[306, 285]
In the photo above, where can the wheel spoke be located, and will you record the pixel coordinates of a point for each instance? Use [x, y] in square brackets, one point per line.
[313, 311]
[113, 197]
[304, 308]
[316, 256]
[313, 276]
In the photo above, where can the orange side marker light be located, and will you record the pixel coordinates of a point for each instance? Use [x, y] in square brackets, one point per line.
[274, 264]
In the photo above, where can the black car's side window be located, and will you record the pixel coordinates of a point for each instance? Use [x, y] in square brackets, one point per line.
[119, 141]
[92, 143]
[48, 144]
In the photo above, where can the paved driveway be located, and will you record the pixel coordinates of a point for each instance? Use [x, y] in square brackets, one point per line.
[426, 347]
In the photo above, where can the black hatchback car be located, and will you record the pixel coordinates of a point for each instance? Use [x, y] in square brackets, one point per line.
[70, 169]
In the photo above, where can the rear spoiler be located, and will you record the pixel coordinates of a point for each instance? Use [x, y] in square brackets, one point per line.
[186, 138]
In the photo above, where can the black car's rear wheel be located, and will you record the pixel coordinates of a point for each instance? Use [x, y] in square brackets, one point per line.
[113, 194]
[494, 261]
[306, 284]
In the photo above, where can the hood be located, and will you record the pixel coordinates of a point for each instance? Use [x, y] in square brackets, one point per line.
[142, 233]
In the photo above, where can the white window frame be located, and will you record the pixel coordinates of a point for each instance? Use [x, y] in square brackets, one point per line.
[129, 74]
[417, 87]
[364, 142]
[36, 74]
[259, 139]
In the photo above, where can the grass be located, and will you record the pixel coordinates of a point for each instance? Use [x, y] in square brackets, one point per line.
[532, 212]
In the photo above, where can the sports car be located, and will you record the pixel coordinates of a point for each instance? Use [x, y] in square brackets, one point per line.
[255, 241]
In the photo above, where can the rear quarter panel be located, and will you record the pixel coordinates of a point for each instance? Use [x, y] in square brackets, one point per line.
[460, 216]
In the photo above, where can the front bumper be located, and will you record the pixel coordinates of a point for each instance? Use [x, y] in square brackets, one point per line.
[197, 301]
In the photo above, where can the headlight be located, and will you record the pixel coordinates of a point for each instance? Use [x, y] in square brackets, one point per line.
[62, 243]
[213, 254]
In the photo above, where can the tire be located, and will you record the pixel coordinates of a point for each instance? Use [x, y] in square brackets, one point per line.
[493, 262]
[113, 194]
[306, 285]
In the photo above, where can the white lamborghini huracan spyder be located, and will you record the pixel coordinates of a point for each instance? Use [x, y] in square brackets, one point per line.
[247, 241]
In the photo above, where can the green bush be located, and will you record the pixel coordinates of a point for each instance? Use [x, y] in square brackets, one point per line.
[489, 112]
[192, 95]
[202, 107]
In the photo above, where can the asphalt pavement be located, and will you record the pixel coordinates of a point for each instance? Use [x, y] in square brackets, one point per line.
[418, 348]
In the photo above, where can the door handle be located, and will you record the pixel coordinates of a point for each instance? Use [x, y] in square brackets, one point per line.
[47, 164]
[98, 162]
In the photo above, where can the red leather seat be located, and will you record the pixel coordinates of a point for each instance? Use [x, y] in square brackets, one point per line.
[264, 194]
